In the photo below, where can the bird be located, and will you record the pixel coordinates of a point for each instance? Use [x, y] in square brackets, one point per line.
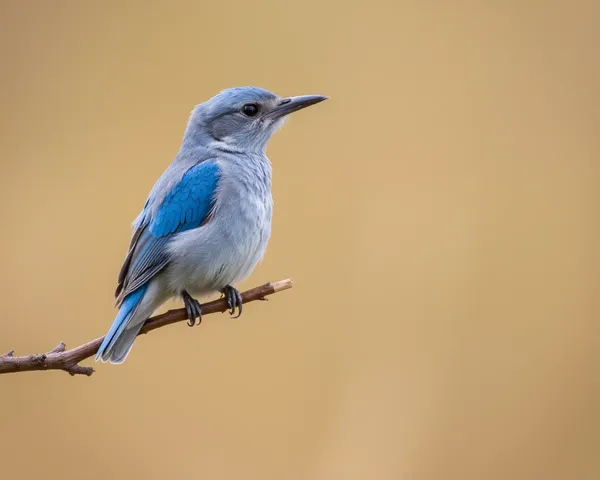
[207, 220]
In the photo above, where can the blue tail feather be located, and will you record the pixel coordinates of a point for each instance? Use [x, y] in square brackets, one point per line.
[128, 308]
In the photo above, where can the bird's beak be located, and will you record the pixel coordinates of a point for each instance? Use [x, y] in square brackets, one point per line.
[293, 104]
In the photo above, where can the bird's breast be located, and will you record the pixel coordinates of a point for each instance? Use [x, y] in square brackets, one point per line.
[226, 249]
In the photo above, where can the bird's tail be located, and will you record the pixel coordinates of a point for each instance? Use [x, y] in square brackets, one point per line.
[118, 341]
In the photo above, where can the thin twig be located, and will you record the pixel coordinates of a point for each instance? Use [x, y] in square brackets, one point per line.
[60, 359]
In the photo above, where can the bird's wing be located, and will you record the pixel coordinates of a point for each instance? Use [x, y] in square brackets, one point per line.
[186, 206]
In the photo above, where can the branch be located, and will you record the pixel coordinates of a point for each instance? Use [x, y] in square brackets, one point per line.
[60, 359]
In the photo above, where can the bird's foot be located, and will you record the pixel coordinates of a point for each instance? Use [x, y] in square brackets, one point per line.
[192, 307]
[234, 300]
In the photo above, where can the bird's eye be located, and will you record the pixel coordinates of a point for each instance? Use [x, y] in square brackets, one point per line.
[250, 109]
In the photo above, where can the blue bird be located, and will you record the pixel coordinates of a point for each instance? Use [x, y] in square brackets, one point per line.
[207, 220]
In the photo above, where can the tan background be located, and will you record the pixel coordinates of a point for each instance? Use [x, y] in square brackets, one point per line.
[439, 216]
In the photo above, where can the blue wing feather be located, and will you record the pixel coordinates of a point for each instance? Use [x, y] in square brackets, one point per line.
[188, 203]
[185, 207]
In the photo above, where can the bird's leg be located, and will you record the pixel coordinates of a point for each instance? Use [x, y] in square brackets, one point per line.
[192, 307]
[234, 300]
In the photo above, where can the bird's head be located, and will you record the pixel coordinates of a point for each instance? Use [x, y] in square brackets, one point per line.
[244, 118]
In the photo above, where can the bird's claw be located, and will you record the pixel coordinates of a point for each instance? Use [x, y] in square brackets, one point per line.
[192, 308]
[234, 300]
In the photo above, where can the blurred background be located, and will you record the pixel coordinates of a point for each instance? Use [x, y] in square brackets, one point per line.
[439, 218]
